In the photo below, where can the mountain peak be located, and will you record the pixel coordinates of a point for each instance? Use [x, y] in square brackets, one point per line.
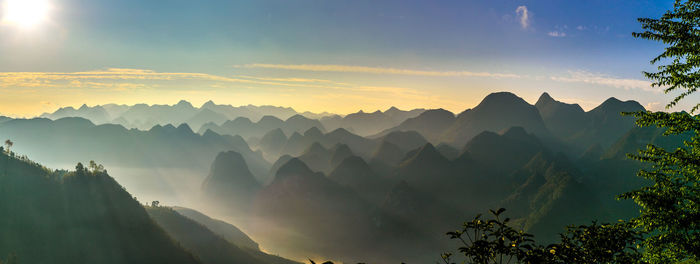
[209, 104]
[269, 119]
[297, 117]
[544, 99]
[184, 127]
[426, 154]
[313, 132]
[184, 103]
[500, 99]
[340, 153]
[438, 113]
[84, 107]
[388, 153]
[616, 105]
[316, 148]
[230, 177]
[392, 109]
[229, 161]
[293, 167]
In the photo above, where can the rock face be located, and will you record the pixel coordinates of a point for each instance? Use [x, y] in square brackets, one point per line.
[230, 182]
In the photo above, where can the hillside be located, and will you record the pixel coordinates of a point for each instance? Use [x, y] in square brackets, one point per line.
[76, 217]
[208, 246]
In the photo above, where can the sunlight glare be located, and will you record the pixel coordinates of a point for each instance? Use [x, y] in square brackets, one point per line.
[25, 13]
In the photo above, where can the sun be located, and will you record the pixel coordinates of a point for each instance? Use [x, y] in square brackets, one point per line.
[25, 13]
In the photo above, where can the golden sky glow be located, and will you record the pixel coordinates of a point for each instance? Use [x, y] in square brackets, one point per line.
[348, 88]
[319, 56]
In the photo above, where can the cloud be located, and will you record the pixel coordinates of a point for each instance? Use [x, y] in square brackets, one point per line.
[377, 70]
[124, 79]
[580, 27]
[524, 15]
[654, 106]
[603, 79]
[557, 34]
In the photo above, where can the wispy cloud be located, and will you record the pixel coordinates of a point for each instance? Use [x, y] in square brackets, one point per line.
[524, 16]
[377, 70]
[557, 34]
[121, 79]
[577, 76]
[607, 80]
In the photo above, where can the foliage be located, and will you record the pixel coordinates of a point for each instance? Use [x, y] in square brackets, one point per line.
[491, 241]
[670, 207]
[494, 241]
[679, 29]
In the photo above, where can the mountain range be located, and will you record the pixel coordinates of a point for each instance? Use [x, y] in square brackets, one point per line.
[374, 187]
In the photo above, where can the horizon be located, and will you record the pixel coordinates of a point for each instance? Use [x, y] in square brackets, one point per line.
[200, 105]
[339, 56]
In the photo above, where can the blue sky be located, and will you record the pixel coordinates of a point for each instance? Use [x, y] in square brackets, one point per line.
[332, 55]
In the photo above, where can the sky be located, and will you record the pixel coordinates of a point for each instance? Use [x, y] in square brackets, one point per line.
[338, 56]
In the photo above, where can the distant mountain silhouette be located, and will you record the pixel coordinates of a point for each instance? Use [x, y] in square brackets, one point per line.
[340, 152]
[144, 116]
[276, 166]
[421, 210]
[498, 111]
[562, 119]
[365, 124]
[248, 129]
[301, 123]
[317, 157]
[298, 195]
[431, 124]
[602, 125]
[355, 173]
[388, 183]
[205, 116]
[137, 155]
[388, 153]
[406, 140]
[273, 142]
[447, 151]
[96, 114]
[607, 123]
[231, 182]
[504, 153]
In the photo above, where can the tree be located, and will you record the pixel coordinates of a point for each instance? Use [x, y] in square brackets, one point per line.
[96, 168]
[670, 206]
[495, 241]
[79, 168]
[8, 145]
